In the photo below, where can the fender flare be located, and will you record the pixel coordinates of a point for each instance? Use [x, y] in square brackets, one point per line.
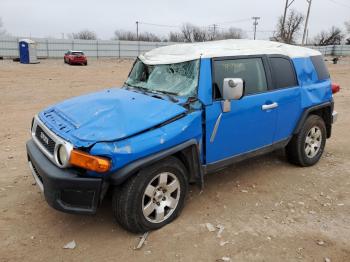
[308, 111]
[194, 166]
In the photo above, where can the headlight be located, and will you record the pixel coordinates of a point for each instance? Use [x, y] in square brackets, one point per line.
[62, 155]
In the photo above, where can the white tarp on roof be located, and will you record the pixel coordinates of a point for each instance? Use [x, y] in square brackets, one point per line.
[235, 47]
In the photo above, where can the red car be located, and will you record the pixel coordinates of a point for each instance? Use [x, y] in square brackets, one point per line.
[75, 57]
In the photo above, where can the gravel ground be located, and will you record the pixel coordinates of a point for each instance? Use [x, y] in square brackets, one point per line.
[270, 210]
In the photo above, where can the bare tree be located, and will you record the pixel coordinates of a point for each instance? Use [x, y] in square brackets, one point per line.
[231, 33]
[84, 35]
[2, 30]
[176, 37]
[334, 36]
[131, 36]
[124, 35]
[347, 26]
[192, 33]
[149, 37]
[291, 29]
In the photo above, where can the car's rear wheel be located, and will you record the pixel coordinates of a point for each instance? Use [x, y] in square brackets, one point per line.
[85, 63]
[306, 147]
[152, 198]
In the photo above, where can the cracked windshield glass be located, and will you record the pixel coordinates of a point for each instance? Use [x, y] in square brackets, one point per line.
[178, 79]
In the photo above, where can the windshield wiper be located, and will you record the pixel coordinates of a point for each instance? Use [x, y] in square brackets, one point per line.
[169, 95]
[144, 90]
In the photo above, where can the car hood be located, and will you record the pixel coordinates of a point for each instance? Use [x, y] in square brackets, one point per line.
[108, 115]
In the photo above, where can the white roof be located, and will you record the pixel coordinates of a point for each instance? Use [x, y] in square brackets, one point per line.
[234, 47]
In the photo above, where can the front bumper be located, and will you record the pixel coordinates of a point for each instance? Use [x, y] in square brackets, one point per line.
[63, 189]
[334, 116]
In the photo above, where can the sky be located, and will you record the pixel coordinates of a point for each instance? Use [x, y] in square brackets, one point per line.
[48, 18]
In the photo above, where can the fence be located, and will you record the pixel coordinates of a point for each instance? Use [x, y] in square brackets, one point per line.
[334, 50]
[55, 48]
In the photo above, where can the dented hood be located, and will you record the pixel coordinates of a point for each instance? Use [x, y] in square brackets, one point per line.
[109, 115]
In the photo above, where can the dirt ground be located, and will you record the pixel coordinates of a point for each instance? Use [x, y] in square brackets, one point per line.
[270, 210]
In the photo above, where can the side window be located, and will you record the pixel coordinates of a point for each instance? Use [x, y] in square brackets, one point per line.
[251, 70]
[283, 74]
[320, 66]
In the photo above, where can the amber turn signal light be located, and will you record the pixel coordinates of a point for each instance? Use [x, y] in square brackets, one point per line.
[89, 162]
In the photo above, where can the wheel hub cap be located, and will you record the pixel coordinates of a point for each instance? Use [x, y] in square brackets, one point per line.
[313, 142]
[161, 197]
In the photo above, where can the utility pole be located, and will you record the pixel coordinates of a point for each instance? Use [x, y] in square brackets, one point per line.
[288, 4]
[306, 21]
[137, 38]
[137, 30]
[214, 30]
[255, 23]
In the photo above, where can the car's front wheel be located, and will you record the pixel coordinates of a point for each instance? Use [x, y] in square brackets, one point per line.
[152, 198]
[306, 147]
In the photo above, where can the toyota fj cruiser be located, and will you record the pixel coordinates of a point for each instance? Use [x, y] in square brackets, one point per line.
[185, 111]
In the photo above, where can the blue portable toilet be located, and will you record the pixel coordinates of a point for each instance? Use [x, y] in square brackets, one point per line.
[27, 51]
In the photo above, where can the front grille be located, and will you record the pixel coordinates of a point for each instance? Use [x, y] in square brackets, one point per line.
[45, 140]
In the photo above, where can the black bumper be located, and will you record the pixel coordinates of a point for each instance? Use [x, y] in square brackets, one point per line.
[64, 189]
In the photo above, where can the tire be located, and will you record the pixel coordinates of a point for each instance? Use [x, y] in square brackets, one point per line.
[85, 64]
[138, 212]
[306, 147]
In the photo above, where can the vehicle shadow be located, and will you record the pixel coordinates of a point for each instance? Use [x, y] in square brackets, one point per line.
[241, 171]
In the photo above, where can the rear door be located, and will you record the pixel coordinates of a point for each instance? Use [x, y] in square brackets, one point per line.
[287, 94]
[251, 123]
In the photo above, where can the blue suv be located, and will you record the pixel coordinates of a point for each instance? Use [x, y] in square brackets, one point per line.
[185, 111]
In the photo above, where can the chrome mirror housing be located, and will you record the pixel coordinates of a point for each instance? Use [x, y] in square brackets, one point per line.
[232, 89]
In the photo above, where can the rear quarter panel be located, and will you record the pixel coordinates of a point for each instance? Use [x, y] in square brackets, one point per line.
[313, 90]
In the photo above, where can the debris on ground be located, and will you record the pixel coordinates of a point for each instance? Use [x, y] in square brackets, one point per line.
[222, 243]
[221, 229]
[224, 259]
[70, 245]
[320, 242]
[142, 241]
[326, 259]
[210, 227]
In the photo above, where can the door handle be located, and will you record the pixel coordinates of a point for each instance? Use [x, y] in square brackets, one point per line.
[269, 106]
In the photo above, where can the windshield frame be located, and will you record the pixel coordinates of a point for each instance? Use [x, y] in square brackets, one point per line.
[166, 92]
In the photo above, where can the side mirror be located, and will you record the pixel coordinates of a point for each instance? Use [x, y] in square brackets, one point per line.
[232, 89]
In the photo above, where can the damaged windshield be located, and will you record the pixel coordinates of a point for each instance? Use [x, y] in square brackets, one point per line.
[179, 79]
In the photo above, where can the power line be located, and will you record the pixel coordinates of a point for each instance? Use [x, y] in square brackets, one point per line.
[234, 21]
[159, 25]
[340, 3]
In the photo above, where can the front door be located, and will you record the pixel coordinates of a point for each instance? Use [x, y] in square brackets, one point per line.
[251, 123]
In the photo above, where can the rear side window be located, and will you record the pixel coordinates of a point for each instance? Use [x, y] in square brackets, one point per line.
[283, 73]
[251, 70]
[320, 66]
